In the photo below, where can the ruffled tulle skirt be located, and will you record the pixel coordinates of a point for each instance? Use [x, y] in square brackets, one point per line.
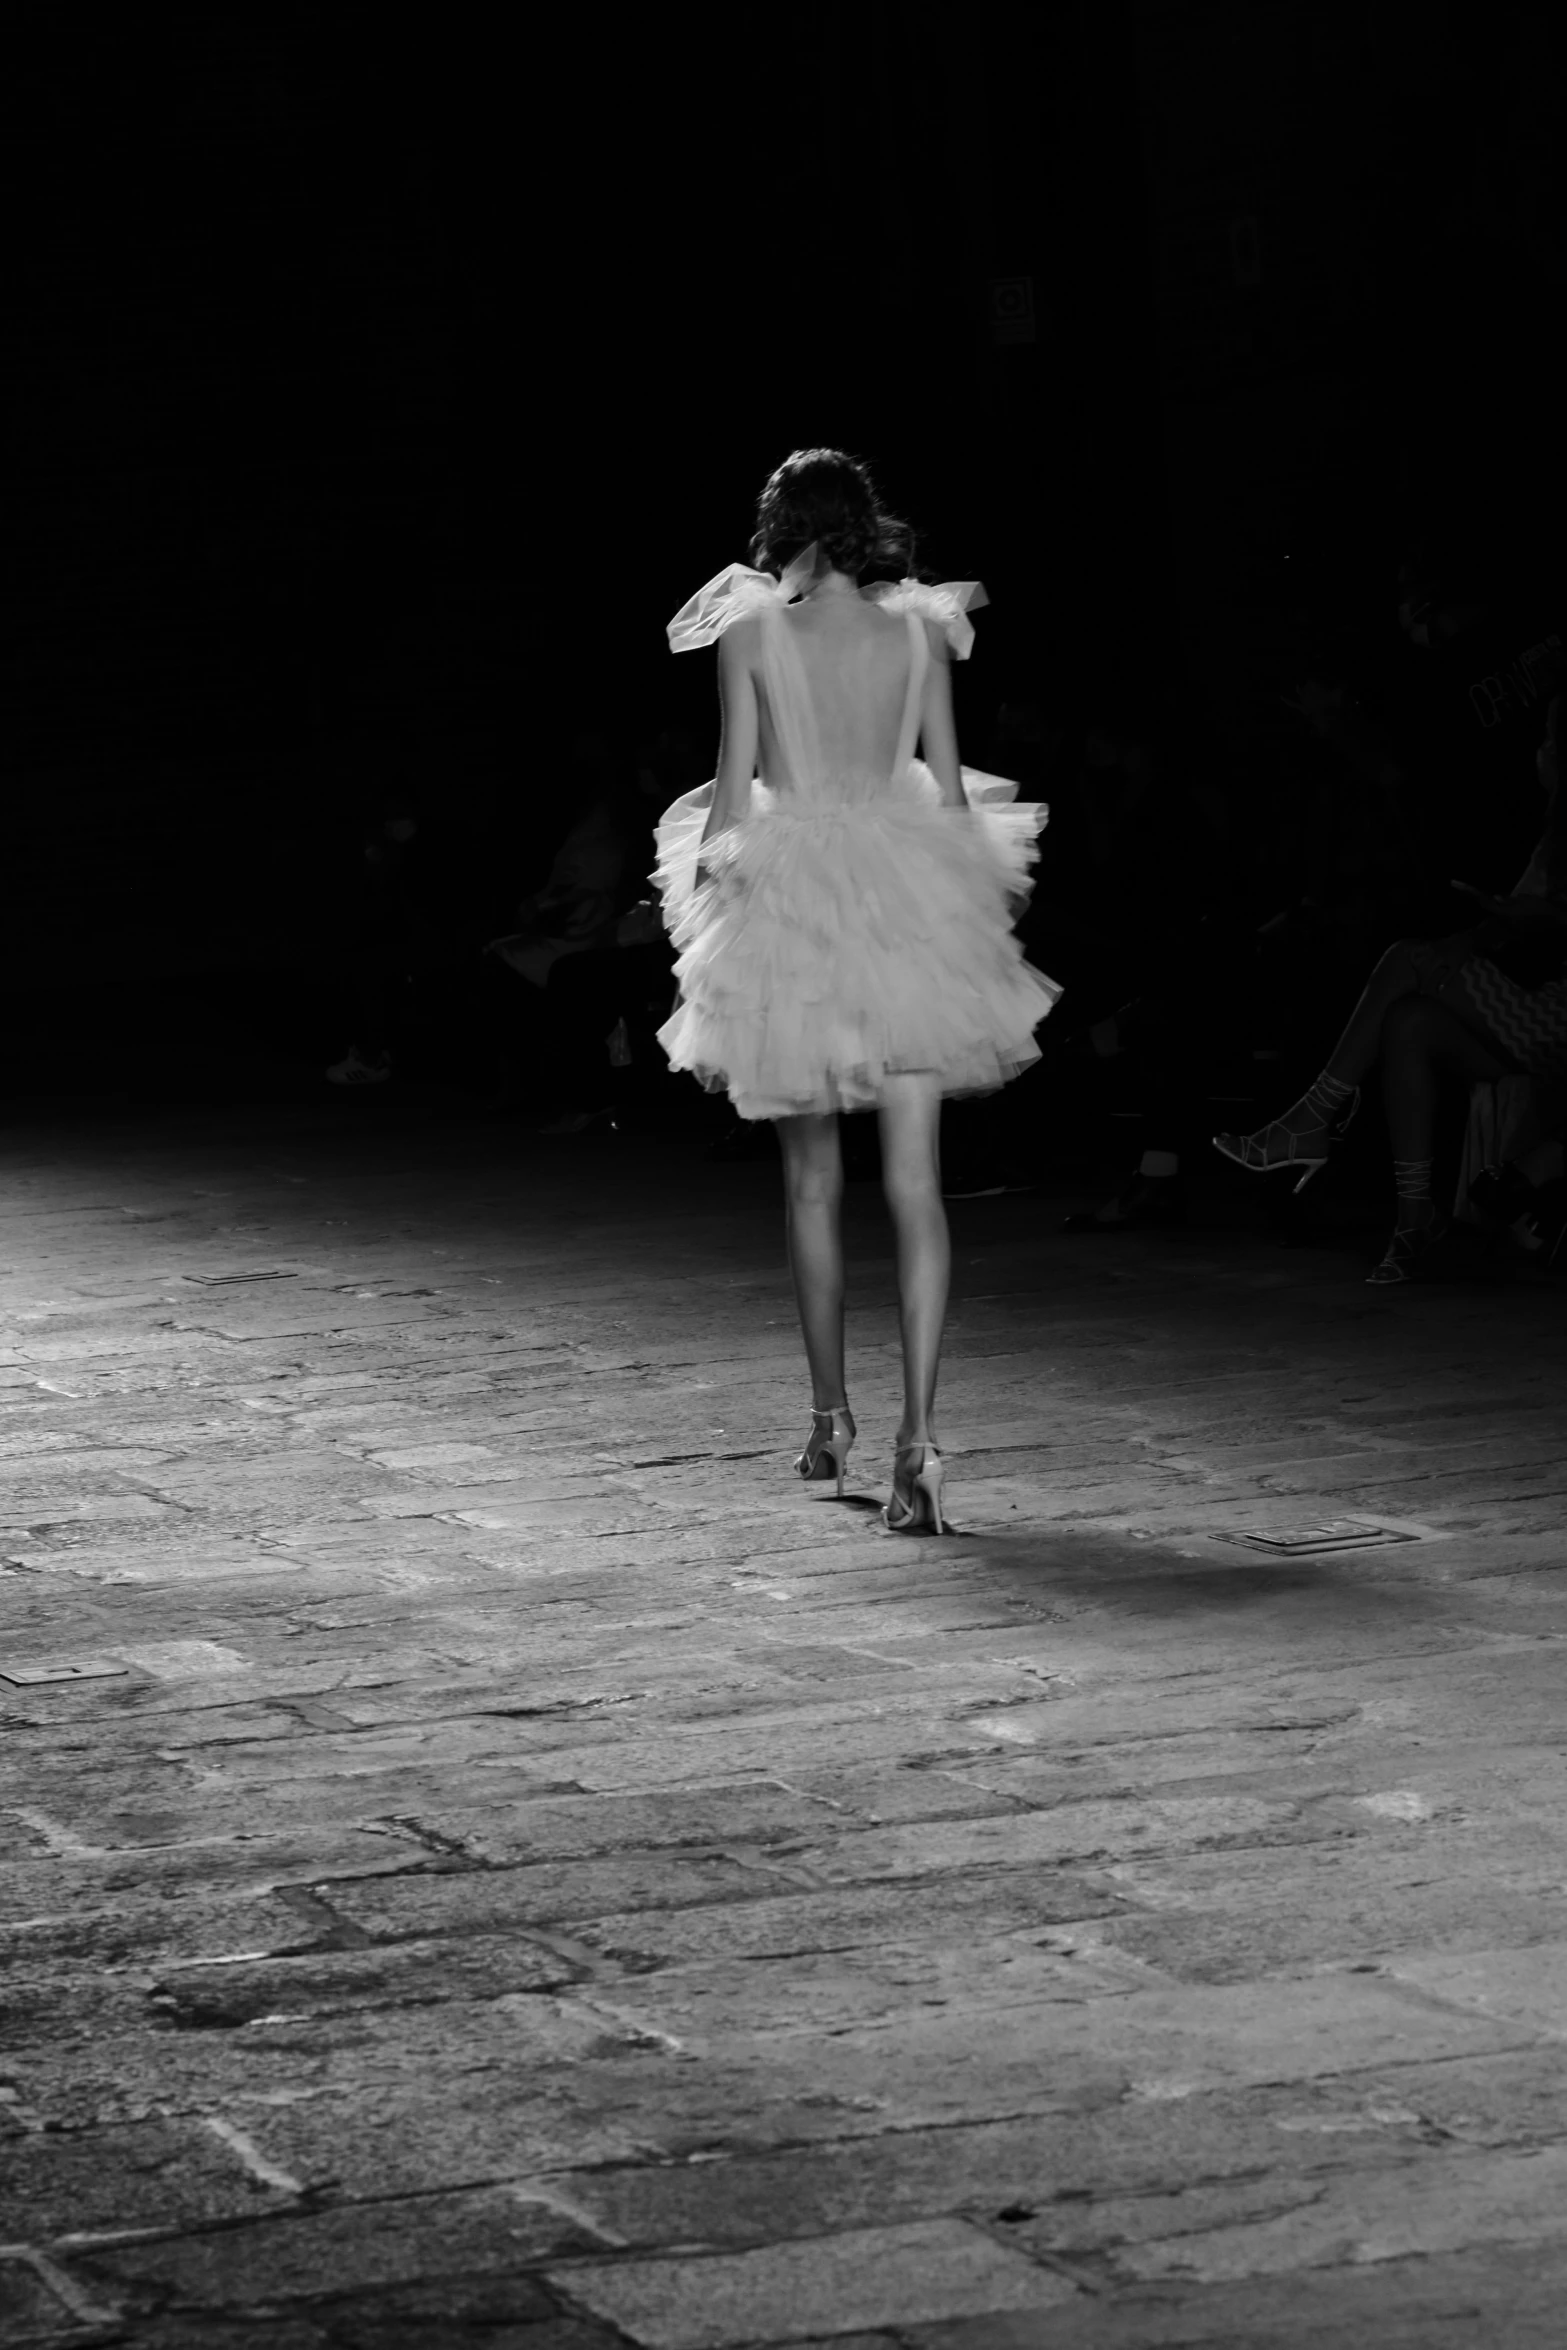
[840, 942]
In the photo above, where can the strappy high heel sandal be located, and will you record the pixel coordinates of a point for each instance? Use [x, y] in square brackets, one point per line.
[916, 1498]
[1408, 1253]
[828, 1446]
[1277, 1145]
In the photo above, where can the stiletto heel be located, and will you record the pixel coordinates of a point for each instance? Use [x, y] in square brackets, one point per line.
[918, 1503]
[827, 1448]
[1277, 1145]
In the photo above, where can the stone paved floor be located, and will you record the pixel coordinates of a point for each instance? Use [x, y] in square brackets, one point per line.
[511, 1867]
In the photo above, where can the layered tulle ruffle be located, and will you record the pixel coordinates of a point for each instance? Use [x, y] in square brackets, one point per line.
[840, 941]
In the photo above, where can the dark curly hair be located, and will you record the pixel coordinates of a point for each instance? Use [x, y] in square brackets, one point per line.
[821, 495]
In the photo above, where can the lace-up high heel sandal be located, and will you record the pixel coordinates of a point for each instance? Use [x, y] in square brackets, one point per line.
[917, 1474]
[1408, 1253]
[828, 1446]
[1302, 1139]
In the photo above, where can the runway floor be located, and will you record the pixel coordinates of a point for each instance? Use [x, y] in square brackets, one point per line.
[487, 1857]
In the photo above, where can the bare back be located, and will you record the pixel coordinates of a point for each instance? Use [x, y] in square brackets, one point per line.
[837, 696]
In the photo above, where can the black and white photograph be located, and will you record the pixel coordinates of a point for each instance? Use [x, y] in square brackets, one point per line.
[783, 1177]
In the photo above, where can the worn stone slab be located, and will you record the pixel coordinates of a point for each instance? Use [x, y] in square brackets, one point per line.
[164, 2173]
[180, 1555]
[1523, 1986]
[777, 1925]
[522, 2055]
[36, 2302]
[382, 2132]
[1350, 1904]
[498, 2311]
[339, 1982]
[295, 1749]
[1156, 2043]
[179, 1818]
[1060, 2170]
[1472, 2199]
[875, 2277]
[548, 1893]
[78, 1885]
[1075, 1833]
[931, 2069]
[816, 1993]
[567, 1827]
[275, 2332]
[291, 2256]
[1445, 2302]
[61, 2002]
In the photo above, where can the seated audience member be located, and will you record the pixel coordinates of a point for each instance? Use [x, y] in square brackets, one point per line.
[1484, 1003]
[1135, 906]
[399, 927]
[575, 910]
[1440, 729]
[605, 1006]
[588, 946]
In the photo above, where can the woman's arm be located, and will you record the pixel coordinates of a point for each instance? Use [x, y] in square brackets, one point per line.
[738, 741]
[938, 733]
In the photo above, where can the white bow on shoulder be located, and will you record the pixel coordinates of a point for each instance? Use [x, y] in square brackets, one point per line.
[734, 594]
[948, 605]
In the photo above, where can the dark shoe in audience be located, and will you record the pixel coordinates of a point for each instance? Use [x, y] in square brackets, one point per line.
[974, 1183]
[357, 1068]
[578, 1122]
[747, 1138]
[1504, 1195]
[1535, 1214]
[1148, 1203]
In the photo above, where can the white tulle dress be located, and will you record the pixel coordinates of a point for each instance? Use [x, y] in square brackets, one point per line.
[853, 928]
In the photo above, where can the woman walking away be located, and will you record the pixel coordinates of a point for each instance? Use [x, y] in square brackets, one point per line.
[843, 920]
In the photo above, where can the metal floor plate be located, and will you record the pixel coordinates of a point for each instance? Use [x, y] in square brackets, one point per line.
[1329, 1534]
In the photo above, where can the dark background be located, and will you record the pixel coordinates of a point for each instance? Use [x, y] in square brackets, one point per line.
[379, 386]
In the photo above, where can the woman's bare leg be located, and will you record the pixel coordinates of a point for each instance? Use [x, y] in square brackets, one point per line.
[813, 1196]
[1413, 971]
[1433, 968]
[911, 1178]
[1354, 1056]
[1423, 1041]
